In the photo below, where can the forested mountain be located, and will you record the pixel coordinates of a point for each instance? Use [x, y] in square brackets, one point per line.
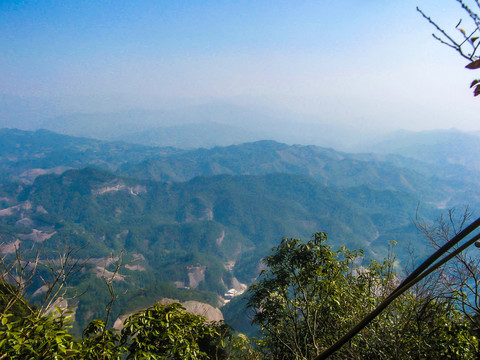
[205, 233]
[430, 183]
[447, 147]
[192, 224]
[26, 154]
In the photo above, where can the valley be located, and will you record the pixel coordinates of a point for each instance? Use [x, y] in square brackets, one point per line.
[194, 225]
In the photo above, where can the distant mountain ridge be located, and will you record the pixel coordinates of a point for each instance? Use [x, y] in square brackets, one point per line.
[452, 147]
[24, 152]
[191, 136]
[329, 167]
[25, 155]
[250, 124]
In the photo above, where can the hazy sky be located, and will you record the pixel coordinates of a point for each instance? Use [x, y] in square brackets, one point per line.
[357, 61]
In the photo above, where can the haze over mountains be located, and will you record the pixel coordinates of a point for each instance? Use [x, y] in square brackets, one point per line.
[193, 126]
[188, 124]
[182, 141]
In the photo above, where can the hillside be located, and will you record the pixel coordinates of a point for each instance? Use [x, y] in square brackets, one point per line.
[430, 184]
[26, 154]
[204, 234]
[192, 224]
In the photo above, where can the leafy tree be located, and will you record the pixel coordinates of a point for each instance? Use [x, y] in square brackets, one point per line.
[160, 332]
[168, 331]
[303, 299]
[100, 343]
[36, 337]
[310, 295]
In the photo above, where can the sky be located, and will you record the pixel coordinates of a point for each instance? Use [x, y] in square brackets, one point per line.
[369, 62]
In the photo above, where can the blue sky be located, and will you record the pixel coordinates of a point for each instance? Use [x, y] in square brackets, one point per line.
[370, 62]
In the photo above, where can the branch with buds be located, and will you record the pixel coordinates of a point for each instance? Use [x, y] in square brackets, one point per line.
[469, 42]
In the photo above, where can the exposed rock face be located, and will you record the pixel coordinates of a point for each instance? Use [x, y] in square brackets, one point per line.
[41, 290]
[101, 272]
[9, 248]
[220, 239]
[196, 274]
[197, 308]
[27, 205]
[36, 236]
[179, 284]
[193, 307]
[118, 185]
[135, 267]
[27, 222]
[238, 286]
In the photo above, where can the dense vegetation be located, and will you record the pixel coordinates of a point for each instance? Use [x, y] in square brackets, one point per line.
[308, 296]
[168, 232]
[159, 332]
[206, 232]
[25, 154]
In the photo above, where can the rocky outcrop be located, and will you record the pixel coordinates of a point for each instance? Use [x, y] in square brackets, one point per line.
[193, 307]
[118, 185]
[196, 274]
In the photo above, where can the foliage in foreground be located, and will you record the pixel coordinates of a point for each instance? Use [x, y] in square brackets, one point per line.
[467, 41]
[309, 296]
[160, 332]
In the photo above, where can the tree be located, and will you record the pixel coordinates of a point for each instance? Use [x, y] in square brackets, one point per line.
[36, 332]
[303, 300]
[310, 295]
[168, 331]
[12, 302]
[459, 279]
[468, 41]
[159, 332]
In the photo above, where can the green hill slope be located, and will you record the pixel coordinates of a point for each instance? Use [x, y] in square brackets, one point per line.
[206, 234]
[25, 154]
[432, 184]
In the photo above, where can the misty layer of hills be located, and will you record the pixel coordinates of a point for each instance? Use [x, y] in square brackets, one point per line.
[194, 223]
[187, 126]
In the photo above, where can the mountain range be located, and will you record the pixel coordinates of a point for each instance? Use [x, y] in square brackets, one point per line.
[210, 124]
[191, 224]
